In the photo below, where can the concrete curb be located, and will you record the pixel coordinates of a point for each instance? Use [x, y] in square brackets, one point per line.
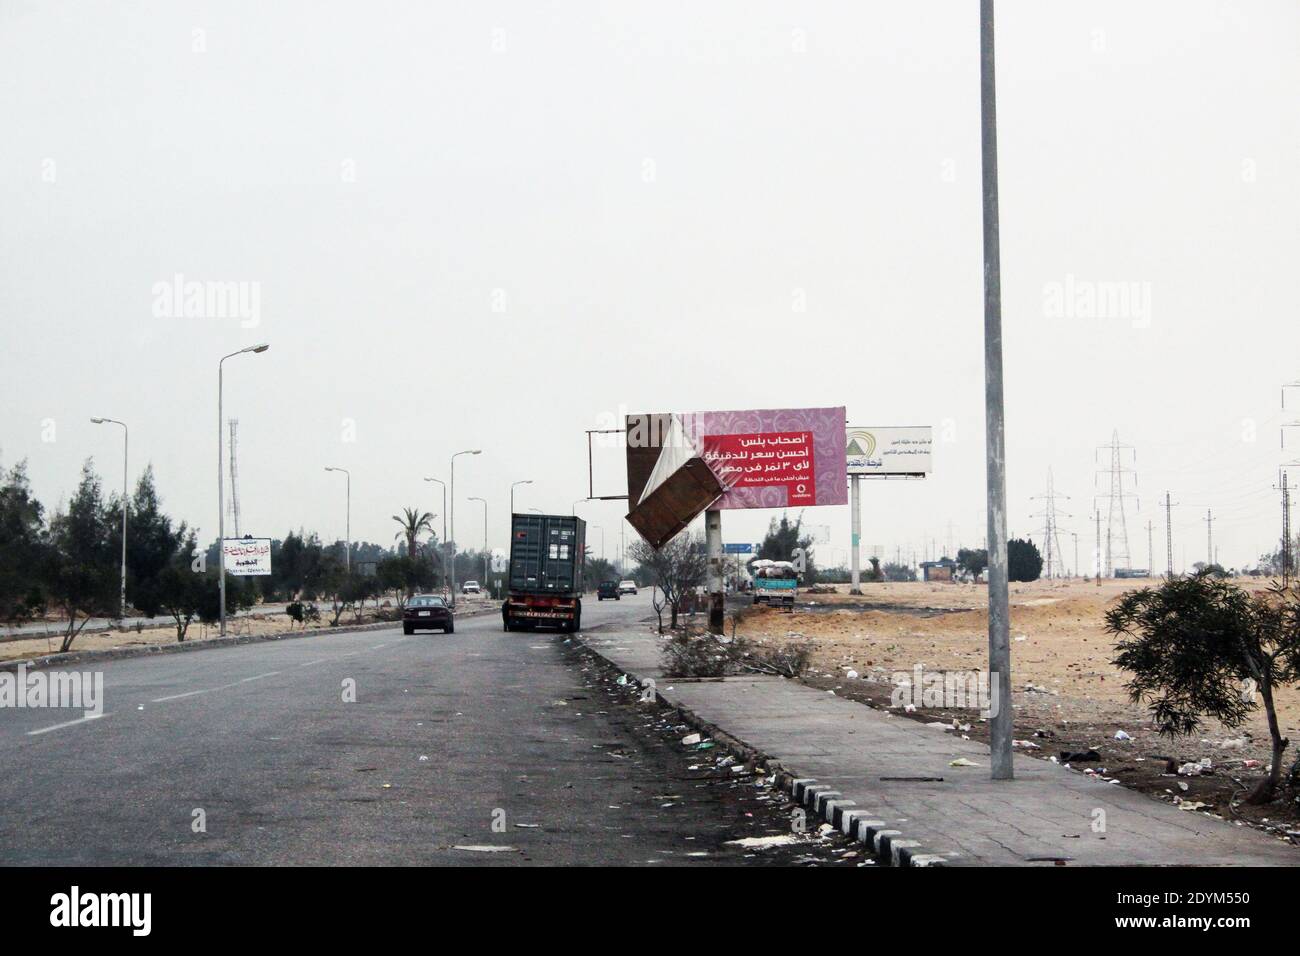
[889, 846]
[211, 643]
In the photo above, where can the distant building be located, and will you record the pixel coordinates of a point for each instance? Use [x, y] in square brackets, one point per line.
[941, 570]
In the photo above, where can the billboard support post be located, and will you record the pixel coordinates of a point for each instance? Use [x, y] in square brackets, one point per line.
[855, 506]
[713, 542]
[1000, 721]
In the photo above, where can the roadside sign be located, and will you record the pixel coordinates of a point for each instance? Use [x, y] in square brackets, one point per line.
[247, 557]
[738, 548]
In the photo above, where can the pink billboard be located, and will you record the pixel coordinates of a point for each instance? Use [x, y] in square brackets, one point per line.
[773, 458]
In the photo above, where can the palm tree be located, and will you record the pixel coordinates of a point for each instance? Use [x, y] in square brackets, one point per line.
[413, 522]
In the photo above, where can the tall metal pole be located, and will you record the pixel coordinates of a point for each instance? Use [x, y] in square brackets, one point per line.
[855, 537]
[527, 481]
[451, 542]
[221, 493]
[485, 539]
[347, 543]
[126, 441]
[1000, 725]
[444, 523]
[713, 541]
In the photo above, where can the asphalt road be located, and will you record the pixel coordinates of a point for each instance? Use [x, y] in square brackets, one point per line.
[447, 734]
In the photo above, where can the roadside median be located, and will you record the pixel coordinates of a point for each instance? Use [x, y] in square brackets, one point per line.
[90, 655]
[918, 796]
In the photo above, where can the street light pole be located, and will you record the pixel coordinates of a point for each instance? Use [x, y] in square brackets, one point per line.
[126, 440]
[527, 481]
[444, 525]
[1000, 720]
[347, 541]
[451, 542]
[221, 492]
[602, 540]
[485, 536]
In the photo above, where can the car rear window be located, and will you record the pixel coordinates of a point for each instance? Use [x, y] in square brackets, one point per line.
[427, 602]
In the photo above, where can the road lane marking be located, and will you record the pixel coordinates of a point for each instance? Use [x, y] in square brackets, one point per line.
[69, 723]
[320, 660]
[209, 690]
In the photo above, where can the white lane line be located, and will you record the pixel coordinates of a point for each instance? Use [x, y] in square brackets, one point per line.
[320, 660]
[209, 690]
[69, 723]
[378, 646]
[258, 677]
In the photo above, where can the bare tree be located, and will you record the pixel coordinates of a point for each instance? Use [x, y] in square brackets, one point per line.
[678, 567]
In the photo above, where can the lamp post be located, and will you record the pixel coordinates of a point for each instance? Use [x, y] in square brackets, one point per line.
[347, 541]
[221, 492]
[528, 481]
[485, 536]
[451, 542]
[126, 437]
[444, 525]
[602, 540]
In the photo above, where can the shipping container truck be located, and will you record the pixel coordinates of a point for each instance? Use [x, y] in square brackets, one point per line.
[544, 583]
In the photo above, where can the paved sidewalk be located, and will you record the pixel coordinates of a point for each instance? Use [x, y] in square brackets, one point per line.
[1046, 814]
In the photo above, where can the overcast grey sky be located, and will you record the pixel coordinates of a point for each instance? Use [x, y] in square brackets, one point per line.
[495, 225]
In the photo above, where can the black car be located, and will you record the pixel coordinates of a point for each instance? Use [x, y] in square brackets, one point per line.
[607, 589]
[427, 612]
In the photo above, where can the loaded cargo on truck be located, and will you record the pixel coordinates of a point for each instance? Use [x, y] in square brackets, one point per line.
[544, 583]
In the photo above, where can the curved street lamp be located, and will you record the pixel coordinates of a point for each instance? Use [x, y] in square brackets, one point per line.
[221, 494]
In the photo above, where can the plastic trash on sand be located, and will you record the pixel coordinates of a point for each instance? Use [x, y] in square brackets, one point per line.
[690, 739]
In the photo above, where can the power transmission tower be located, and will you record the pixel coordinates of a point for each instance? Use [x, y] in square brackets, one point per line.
[1053, 556]
[1209, 537]
[234, 475]
[1117, 549]
[1075, 536]
[1288, 565]
[1169, 535]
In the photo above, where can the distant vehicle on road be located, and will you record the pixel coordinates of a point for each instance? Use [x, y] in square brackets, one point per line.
[544, 584]
[627, 587]
[607, 589]
[470, 587]
[427, 612]
[775, 583]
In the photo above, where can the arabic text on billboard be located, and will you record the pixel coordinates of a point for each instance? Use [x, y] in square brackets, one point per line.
[888, 451]
[772, 458]
[247, 557]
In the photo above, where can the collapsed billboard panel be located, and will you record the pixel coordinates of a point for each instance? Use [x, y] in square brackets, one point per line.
[680, 465]
[888, 451]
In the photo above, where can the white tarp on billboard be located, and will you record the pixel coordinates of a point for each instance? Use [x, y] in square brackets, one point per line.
[889, 451]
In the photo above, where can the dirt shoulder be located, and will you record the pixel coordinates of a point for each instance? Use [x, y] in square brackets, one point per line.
[1068, 695]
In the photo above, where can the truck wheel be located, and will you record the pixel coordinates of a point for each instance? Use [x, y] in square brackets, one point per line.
[408, 630]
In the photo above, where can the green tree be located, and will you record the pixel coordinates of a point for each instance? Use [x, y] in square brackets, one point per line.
[404, 576]
[22, 547]
[81, 570]
[676, 569]
[1200, 646]
[973, 560]
[152, 545]
[413, 522]
[899, 572]
[1024, 563]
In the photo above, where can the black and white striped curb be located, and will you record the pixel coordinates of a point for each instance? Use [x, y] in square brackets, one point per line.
[890, 846]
